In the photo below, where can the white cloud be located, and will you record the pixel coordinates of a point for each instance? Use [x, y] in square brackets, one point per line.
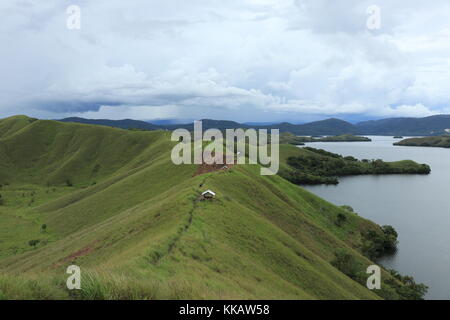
[242, 60]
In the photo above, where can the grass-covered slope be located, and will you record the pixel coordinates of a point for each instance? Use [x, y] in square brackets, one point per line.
[113, 203]
[11, 125]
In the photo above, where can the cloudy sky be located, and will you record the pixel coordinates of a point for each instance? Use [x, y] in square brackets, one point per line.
[244, 60]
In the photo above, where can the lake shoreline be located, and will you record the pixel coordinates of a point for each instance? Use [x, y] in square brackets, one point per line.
[415, 205]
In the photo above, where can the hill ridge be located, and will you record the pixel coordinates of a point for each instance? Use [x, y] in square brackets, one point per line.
[431, 125]
[114, 204]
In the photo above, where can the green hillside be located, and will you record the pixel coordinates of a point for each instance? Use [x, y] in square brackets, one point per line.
[113, 203]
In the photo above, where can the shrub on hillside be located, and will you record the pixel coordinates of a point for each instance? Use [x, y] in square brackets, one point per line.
[378, 244]
[298, 177]
[341, 219]
[33, 243]
[408, 289]
[346, 263]
[397, 287]
[348, 208]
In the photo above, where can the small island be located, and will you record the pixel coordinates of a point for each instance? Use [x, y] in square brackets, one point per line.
[398, 137]
[310, 166]
[289, 138]
[437, 142]
[341, 138]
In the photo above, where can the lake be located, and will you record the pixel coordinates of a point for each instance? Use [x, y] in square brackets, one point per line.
[417, 206]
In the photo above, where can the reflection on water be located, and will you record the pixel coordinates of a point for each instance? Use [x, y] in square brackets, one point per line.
[418, 206]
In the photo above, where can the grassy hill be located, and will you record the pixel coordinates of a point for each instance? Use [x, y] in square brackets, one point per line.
[115, 205]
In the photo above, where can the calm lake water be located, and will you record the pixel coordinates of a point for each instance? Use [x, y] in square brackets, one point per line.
[418, 206]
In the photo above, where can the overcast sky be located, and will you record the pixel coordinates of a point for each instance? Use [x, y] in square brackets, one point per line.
[244, 60]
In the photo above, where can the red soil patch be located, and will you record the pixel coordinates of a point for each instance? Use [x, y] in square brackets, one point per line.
[79, 253]
[82, 252]
[206, 168]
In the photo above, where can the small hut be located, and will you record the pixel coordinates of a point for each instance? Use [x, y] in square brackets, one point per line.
[208, 194]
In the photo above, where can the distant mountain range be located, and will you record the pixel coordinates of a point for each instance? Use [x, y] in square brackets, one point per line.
[124, 124]
[433, 125]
